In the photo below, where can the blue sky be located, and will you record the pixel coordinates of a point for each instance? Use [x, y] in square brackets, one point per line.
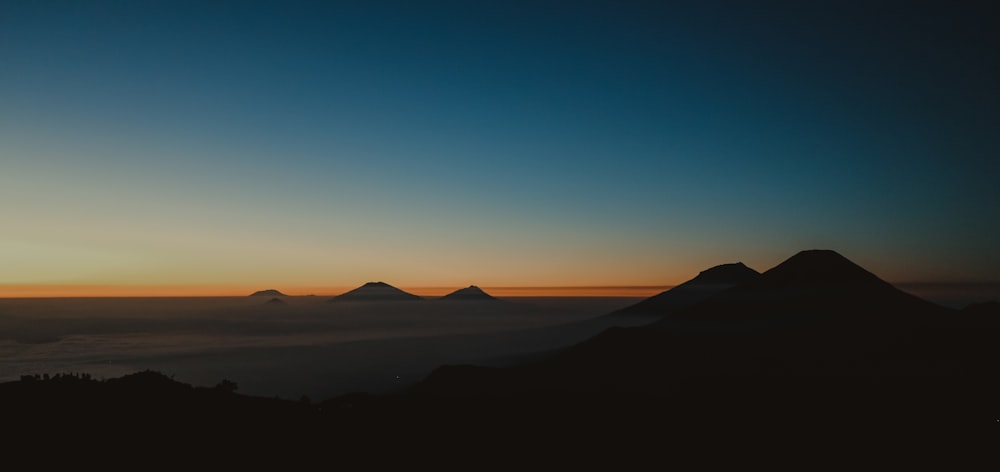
[505, 143]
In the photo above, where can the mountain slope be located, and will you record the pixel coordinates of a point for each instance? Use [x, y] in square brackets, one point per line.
[708, 283]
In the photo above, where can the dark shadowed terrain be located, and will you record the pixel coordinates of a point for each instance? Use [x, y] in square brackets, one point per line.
[814, 349]
[302, 346]
[815, 344]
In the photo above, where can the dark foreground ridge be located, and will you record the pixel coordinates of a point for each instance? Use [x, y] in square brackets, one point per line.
[470, 293]
[143, 410]
[268, 293]
[374, 292]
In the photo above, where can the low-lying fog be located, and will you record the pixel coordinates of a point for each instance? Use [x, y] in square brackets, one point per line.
[306, 346]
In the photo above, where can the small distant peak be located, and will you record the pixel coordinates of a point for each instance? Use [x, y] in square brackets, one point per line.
[376, 291]
[275, 301]
[471, 292]
[268, 293]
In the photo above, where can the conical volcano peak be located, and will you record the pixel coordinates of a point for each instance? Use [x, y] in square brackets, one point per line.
[816, 255]
[730, 274]
[471, 292]
[376, 291]
[819, 266]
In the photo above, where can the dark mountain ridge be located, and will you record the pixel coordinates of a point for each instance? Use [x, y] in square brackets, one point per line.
[814, 287]
[725, 274]
[708, 283]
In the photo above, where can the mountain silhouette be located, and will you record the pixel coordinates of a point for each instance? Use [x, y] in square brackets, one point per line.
[820, 267]
[816, 314]
[376, 291]
[268, 293]
[471, 292]
[815, 287]
[708, 283]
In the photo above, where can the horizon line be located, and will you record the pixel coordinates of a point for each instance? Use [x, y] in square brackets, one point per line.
[12, 291]
[203, 291]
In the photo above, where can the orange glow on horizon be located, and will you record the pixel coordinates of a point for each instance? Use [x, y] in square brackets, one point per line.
[577, 291]
[115, 291]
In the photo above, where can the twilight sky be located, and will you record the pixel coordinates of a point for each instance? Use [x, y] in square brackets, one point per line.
[215, 147]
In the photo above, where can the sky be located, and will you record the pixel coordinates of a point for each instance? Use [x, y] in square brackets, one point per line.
[217, 147]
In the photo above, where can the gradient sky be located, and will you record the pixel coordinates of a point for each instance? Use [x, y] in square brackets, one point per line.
[324, 144]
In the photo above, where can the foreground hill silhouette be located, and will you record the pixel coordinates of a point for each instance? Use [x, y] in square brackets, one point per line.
[268, 293]
[708, 283]
[149, 416]
[470, 293]
[376, 291]
[142, 407]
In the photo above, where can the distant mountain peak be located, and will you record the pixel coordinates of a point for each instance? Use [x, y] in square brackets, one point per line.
[708, 283]
[730, 274]
[819, 266]
[471, 292]
[376, 291]
[268, 293]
